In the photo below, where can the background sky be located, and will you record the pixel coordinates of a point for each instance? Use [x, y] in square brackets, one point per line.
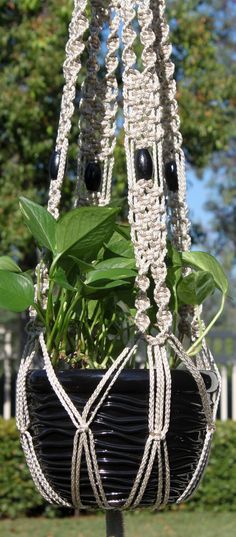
[198, 193]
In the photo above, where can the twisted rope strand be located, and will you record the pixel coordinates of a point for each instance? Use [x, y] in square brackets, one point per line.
[71, 68]
[98, 107]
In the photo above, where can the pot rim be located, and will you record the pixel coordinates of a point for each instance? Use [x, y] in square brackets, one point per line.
[129, 379]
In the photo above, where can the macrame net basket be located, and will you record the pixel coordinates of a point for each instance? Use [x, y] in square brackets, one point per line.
[151, 122]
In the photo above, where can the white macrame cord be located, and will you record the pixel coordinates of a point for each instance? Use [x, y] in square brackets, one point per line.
[151, 121]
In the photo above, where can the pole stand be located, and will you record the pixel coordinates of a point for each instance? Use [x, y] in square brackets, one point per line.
[114, 524]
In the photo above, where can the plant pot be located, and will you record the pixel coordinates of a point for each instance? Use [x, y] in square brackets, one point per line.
[120, 429]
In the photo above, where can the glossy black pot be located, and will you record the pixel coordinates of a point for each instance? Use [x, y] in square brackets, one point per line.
[120, 430]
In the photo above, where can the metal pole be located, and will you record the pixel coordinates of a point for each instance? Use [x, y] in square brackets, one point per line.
[114, 524]
[7, 376]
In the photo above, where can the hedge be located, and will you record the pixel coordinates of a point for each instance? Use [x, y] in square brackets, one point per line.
[217, 490]
[18, 496]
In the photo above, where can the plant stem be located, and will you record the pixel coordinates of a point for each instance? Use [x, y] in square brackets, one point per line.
[95, 318]
[39, 311]
[53, 265]
[194, 348]
[49, 310]
[38, 285]
[57, 320]
[63, 323]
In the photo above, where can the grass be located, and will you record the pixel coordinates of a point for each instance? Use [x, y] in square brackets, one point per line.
[140, 524]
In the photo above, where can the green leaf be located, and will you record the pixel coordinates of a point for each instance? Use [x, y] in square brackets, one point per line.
[127, 296]
[110, 274]
[84, 267]
[116, 283]
[194, 288]
[60, 278]
[120, 246]
[207, 263]
[40, 222]
[124, 230]
[173, 256]
[99, 289]
[174, 275]
[69, 268]
[82, 232]
[118, 202]
[92, 305]
[7, 263]
[16, 291]
[116, 262]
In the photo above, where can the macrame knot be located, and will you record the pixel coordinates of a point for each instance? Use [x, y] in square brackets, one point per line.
[157, 436]
[164, 320]
[34, 328]
[159, 339]
[143, 282]
[83, 428]
[142, 322]
[142, 302]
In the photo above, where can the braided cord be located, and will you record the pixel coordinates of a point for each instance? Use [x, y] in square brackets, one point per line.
[71, 68]
[172, 140]
[147, 213]
[172, 150]
[91, 104]
[98, 107]
[147, 217]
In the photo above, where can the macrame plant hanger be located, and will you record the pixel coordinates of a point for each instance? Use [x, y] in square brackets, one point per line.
[157, 206]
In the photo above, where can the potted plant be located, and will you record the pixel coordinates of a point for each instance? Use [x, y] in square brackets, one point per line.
[86, 321]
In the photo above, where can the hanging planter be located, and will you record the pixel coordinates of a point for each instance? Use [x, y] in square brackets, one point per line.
[120, 429]
[96, 429]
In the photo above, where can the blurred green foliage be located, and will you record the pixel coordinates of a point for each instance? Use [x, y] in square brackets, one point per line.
[207, 82]
[33, 35]
[222, 205]
[18, 496]
[17, 491]
[217, 490]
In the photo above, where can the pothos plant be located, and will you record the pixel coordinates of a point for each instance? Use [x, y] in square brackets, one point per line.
[89, 311]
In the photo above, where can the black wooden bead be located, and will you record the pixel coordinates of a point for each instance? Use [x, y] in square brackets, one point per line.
[54, 164]
[143, 164]
[171, 175]
[93, 176]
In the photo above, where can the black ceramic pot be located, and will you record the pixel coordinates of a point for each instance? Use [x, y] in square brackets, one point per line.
[120, 430]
